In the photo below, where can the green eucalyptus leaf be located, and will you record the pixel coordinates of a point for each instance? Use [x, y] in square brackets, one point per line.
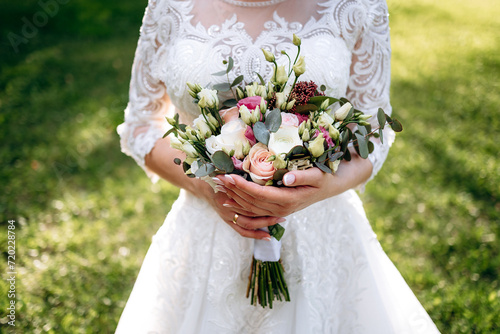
[230, 103]
[381, 135]
[306, 108]
[169, 132]
[219, 74]
[381, 118]
[205, 170]
[362, 145]
[278, 175]
[230, 64]
[349, 115]
[261, 133]
[223, 161]
[336, 156]
[318, 100]
[323, 167]
[273, 120]
[371, 147]
[362, 130]
[396, 125]
[388, 118]
[222, 87]
[323, 157]
[238, 80]
[276, 231]
[347, 155]
[262, 82]
[343, 101]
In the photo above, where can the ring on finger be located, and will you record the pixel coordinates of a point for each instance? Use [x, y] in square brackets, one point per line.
[235, 218]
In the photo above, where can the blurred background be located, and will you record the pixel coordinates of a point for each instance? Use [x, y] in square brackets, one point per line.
[85, 213]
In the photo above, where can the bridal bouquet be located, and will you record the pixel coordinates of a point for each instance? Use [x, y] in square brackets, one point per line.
[265, 131]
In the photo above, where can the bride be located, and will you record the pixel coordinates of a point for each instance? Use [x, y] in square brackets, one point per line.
[195, 274]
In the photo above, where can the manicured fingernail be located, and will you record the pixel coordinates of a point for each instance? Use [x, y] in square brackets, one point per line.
[288, 179]
[229, 179]
[280, 220]
[221, 189]
[227, 205]
[217, 181]
[267, 238]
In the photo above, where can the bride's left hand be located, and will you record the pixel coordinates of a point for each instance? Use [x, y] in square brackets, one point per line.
[303, 188]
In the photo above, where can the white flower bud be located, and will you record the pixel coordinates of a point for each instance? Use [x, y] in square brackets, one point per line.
[324, 104]
[316, 147]
[341, 113]
[279, 162]
[256, 115]
[300, 66]
[305, 135]
[334, 165]
[280, 100]
[268, 55]
[280, 75]
[246, 115]
[240, 93]
[213, 121]
[290, 104]
[333, 132]
[296, 40]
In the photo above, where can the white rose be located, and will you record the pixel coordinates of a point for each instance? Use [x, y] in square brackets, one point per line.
[208, 98]
[284, 139]
[231, 133]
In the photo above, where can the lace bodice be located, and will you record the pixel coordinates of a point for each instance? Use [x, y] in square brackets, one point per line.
[345, 42]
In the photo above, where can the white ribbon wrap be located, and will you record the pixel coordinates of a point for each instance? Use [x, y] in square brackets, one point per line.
[267, 251]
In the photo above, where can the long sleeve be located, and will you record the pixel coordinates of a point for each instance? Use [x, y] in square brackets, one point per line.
[148, 101]
[370, 77]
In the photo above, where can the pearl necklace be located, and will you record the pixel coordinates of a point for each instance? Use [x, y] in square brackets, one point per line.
[253, 3]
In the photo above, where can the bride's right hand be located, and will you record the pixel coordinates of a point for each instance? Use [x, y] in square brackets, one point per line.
[228, 214]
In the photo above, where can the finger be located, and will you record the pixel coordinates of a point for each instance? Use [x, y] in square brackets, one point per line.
[250, 223]
[309, 177]
[243, 187]
[251, 204]
[253, 234]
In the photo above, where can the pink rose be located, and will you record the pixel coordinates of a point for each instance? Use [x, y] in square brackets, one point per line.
[230, 114]
[288, 119]
[257, 166]
[250, 102]
[250, 136]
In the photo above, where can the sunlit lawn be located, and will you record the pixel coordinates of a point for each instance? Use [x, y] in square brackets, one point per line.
[85, 213]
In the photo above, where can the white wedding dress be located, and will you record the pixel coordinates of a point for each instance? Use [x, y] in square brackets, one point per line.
[195, 275]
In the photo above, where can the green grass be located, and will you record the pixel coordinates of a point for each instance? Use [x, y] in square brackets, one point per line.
[85, 213]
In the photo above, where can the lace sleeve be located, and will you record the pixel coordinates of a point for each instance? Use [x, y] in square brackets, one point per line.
[148, 101]
[370, 79]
